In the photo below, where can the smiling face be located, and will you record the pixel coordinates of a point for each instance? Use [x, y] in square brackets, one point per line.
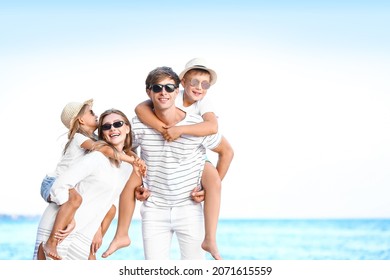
[195, 84]
[114, 130]
[164, 99]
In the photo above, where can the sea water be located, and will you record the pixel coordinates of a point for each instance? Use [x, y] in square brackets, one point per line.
[239, 239]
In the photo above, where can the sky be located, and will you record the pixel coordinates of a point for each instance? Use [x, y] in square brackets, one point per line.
[303, 93]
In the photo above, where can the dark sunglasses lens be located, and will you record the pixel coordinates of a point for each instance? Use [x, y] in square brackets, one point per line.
[157, 88]
[118, 124]
[170, 88]
[106, 126]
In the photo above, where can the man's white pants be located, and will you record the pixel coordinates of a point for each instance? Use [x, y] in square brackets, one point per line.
[159, 224]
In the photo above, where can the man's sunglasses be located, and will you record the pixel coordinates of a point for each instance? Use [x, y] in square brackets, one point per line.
[107, 126]
[158, 88]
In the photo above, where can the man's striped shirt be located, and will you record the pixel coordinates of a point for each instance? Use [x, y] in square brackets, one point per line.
[174, 168]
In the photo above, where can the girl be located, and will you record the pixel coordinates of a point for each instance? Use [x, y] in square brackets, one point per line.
[98, 179]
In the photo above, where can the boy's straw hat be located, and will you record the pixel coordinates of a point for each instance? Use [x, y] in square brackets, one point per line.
[199, 63]
[71, 110]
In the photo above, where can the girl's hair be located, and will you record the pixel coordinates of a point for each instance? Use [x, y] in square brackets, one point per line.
[101, 142]
[76, 128]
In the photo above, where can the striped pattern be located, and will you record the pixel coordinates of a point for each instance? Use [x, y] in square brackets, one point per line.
[100, 184]
[75, 247]
[174, 168]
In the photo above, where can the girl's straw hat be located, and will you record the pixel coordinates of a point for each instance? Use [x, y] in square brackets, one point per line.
[71, 110]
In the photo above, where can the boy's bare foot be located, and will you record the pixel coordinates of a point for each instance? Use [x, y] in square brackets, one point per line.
[116, 244]
[212, 248]
[50, 252]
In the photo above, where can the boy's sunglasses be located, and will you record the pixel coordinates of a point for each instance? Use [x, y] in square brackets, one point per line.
[204, 84]
[107, 126]
[158, 88]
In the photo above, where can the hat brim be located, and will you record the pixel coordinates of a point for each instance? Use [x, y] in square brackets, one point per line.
[88, 102]
[213, 74]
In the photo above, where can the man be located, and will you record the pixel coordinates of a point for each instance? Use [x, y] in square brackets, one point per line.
[174, 171]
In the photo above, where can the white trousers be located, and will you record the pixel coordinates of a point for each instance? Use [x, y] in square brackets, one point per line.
[159, 225]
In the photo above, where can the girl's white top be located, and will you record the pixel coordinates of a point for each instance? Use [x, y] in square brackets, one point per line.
[72, 154]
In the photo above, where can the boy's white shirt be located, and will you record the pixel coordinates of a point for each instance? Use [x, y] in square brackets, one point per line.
[200, 107]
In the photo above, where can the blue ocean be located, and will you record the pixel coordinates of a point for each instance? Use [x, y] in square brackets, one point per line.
[240, 239]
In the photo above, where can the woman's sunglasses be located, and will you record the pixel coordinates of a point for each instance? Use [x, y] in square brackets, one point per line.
[158, 88]
[107, 126]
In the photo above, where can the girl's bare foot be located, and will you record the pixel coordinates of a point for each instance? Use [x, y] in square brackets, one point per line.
[116, 243]
[50, 252]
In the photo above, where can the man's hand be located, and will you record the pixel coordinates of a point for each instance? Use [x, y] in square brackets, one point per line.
[96, 241]
[141, 193]
[197, 194]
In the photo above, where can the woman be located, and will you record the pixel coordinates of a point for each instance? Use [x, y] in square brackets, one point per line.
[99, 180]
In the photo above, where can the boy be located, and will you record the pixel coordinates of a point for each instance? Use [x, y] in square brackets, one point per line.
[196, 79]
